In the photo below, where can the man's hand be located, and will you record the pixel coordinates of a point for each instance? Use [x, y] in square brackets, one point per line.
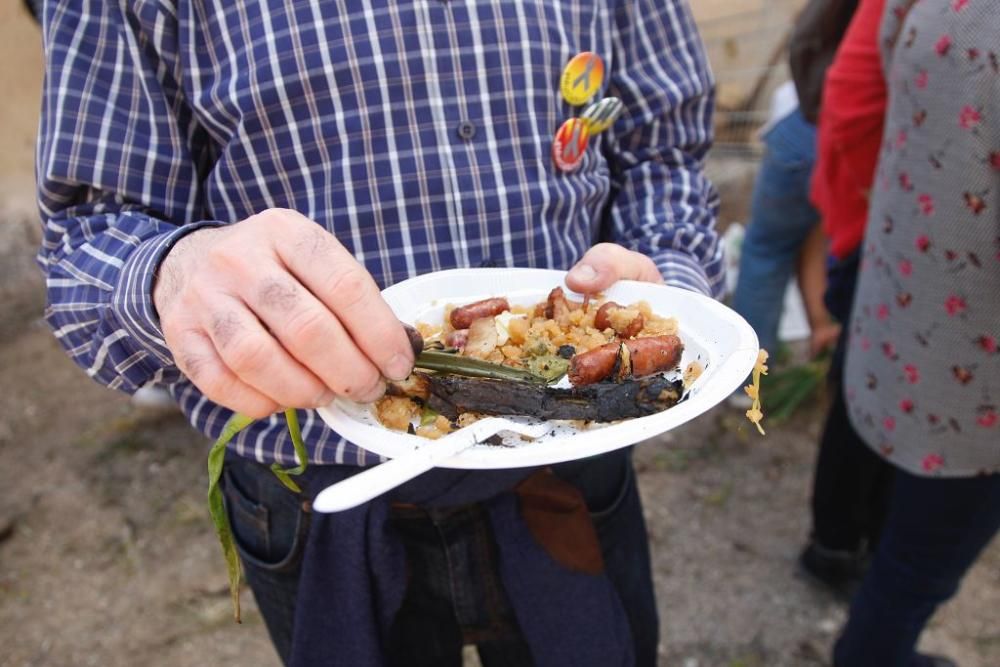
[607, 263]
[273, 312]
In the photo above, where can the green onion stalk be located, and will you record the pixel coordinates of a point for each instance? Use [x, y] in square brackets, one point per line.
[449, 362]
[220, 519]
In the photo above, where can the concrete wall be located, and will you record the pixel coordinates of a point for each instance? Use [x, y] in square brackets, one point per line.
[20, 80]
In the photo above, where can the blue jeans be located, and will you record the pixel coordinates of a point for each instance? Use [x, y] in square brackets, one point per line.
[935, 531]
[437, 616]
[781, 218]
[449, 600]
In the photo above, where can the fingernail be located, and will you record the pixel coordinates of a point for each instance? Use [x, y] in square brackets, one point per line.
[325, 399]
[399, 367]
[584, 273]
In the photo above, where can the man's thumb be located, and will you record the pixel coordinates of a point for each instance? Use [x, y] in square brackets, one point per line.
[605, 264]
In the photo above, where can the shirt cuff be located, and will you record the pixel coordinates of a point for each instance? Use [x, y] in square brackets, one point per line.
[132, 300]
[682, 270]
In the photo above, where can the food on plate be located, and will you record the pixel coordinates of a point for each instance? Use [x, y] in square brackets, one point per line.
[627, 322]
[692, 372]
[493, 358]
[626, 359]
[463, 316]
[450, 396]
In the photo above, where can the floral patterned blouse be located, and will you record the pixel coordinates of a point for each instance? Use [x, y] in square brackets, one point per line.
[923, 369]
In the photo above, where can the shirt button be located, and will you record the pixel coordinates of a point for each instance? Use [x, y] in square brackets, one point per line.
[467, 129]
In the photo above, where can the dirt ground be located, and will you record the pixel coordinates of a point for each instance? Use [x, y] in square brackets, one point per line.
[107, 556]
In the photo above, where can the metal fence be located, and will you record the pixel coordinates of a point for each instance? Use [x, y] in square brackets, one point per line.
[747, 44]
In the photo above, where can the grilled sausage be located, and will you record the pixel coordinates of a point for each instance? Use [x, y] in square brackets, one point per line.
[593, 366]
[416, 340]
[557, 307]
[654, 354]
[463, 316]
[645, 357]
[602, 321]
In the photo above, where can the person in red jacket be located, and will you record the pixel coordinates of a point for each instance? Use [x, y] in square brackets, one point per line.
[850, 487]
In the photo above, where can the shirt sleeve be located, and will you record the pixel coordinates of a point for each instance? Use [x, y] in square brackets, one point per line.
[849, 134]
[117, 184]
[663, 204]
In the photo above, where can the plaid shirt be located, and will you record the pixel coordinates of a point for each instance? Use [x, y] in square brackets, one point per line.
[418, 133]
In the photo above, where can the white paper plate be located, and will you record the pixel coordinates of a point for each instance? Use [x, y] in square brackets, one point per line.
[712, 333]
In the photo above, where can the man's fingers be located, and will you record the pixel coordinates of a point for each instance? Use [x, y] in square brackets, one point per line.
[332, 274]
[309, 331]
[289, 316]
[201, 364]
[256, 358]
[607, 263]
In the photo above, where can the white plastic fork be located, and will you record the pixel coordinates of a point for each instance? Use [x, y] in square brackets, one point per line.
[375, 481]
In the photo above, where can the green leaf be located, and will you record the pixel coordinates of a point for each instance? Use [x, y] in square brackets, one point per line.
[549, 366]
[216, 507]
[283, 477]
[802, 391]
[284, 474]
[790, 388]
[445, 362]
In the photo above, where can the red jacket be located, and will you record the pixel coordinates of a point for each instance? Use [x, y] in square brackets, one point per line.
[850, 131]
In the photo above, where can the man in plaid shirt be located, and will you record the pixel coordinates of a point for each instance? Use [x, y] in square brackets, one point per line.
[225, 187]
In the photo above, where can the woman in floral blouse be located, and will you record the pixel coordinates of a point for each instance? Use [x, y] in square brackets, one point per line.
[922, 380]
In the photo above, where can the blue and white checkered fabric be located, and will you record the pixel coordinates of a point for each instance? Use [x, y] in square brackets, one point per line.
[419, 133]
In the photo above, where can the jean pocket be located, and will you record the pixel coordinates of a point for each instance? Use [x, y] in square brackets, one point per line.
[268, 521]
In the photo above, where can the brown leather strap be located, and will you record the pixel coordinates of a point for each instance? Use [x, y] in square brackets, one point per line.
[556, 515]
